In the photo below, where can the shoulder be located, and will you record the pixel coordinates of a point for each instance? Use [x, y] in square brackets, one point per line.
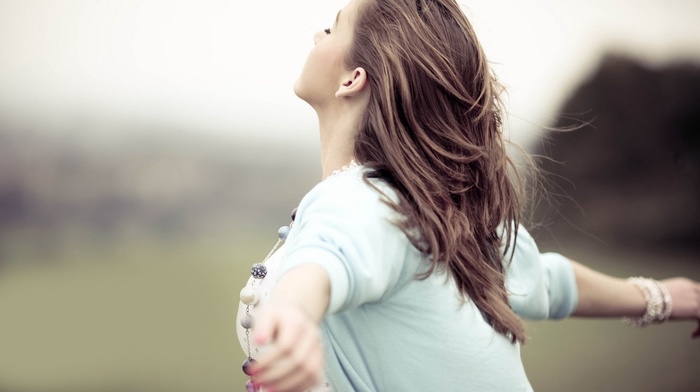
[349, 193]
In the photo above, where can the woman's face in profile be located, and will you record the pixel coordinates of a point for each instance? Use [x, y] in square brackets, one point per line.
[322, 74]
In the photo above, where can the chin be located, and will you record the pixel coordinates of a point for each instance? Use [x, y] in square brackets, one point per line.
[310, 92]
[303, 93]
[298, 90]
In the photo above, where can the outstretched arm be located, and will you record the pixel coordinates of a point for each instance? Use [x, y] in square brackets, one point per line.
[600, 295]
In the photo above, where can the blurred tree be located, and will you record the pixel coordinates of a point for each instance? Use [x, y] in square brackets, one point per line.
[631, 175]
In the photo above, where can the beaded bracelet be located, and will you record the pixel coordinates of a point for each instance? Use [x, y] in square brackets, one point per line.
[658, 300]
[668, 302]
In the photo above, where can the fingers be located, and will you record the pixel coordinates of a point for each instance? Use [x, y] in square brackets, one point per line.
[264, 327]
[293, 375]
[293, 357]
[279, 331]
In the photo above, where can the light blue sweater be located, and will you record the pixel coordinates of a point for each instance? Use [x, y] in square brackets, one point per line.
[388, 331]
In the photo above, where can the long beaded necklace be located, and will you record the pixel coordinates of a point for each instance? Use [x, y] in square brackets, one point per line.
[250, 296]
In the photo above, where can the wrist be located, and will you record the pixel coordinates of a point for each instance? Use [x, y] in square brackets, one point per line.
[296, 304]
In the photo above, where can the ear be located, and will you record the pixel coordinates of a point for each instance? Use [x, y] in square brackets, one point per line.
[353, 83]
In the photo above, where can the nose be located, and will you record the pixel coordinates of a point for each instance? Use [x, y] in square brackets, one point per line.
[318, 36]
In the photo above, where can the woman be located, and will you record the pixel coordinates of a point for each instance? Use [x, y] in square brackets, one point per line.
[406, 265]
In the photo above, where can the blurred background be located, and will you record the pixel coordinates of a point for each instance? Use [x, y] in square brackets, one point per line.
[149, 150]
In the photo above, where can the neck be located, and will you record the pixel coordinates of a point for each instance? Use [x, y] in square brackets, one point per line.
[337, 130]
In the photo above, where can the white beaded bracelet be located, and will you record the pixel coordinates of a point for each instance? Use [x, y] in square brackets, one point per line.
[668, 302]
[658, 299]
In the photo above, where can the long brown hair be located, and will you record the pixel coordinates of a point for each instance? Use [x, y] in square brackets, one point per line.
[432, 130]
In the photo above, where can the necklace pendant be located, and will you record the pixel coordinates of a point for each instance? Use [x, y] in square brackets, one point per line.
[259, 271]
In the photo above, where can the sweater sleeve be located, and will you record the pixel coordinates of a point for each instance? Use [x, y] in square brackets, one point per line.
[540, 285]
[344, 226]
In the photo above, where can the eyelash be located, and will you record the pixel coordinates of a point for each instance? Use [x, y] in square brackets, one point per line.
[327, 31]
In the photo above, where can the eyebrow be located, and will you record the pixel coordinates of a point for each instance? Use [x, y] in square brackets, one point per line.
[337, 17]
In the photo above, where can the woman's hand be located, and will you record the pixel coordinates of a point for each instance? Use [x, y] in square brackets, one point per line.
[287, 328]
[685, 294]
[292, 357]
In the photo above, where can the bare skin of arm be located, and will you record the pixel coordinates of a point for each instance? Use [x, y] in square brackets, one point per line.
[601, 295]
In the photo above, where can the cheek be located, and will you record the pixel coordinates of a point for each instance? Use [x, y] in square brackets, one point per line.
[323, 59]
[323, 65]
[321, 73]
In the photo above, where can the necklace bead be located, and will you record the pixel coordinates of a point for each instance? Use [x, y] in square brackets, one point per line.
[259, 271]
[246, 366]
[249, 296]
[283, 232]
[250, 387]
[247, 321]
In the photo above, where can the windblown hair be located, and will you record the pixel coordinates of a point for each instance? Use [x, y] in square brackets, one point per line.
[432, 130]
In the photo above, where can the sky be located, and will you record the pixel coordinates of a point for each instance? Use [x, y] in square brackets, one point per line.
[229, 66]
